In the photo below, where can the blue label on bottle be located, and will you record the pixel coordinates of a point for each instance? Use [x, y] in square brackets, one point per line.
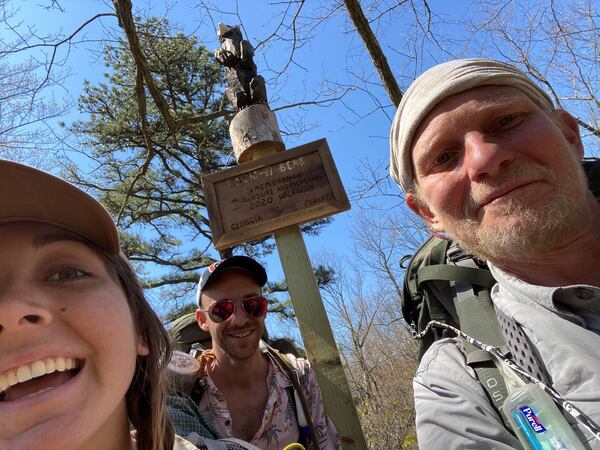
[533, 420]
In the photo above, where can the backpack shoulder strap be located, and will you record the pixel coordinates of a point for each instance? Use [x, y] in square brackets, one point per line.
[478, 319]
[300, 404]
[444, 283]
[446, 272]
[470, 285]
[197, 392]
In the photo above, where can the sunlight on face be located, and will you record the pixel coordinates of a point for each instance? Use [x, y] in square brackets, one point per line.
[502, 178]
[67, 333]
[238, 337]
[521, 225]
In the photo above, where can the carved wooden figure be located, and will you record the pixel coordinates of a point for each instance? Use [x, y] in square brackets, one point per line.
[245, 87]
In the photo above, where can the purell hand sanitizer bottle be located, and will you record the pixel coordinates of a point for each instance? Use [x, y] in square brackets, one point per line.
[534, 417]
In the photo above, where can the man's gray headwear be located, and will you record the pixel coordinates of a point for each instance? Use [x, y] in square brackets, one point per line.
[438, 83]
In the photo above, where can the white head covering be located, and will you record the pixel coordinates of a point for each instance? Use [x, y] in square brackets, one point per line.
[438, 83]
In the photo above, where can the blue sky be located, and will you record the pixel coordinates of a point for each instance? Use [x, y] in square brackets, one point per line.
[356, 128]
[350, 138]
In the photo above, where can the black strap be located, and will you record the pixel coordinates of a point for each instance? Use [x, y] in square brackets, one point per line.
[295, 379]
[445, 272]
[197, 392]
[591, 166]
[290, 392]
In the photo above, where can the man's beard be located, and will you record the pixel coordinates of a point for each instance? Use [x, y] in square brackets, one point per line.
[237, 351]
[523, 228]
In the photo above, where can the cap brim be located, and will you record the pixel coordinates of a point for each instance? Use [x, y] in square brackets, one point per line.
[31, 195]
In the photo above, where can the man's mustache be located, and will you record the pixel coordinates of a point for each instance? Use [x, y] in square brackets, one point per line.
[512, 175]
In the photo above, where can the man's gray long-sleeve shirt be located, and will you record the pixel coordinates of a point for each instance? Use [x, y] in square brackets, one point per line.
[562, 323]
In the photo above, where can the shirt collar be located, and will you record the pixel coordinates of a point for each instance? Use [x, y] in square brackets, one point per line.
[568, 301]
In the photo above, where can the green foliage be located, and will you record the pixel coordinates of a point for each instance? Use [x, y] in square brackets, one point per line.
[410, 441]
[163, 223]
[283, 307]
[175, 313]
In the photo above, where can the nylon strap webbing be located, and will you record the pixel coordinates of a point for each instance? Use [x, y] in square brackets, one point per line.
[446, 272]
[437, 254]
[478, 319]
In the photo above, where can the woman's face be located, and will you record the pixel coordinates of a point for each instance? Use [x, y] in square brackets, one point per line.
[60, 307]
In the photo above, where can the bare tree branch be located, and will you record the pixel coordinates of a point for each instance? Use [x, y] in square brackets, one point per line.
[54, 46]
[379, 59]
[123, 8]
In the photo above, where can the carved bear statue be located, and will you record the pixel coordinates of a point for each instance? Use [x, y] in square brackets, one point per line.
[245, 87]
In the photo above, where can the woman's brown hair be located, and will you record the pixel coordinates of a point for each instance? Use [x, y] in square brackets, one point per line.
[146, 397]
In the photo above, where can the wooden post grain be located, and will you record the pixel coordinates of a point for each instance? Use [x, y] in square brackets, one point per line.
[318, 338]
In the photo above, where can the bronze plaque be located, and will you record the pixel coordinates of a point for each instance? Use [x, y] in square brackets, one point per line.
[257, 198]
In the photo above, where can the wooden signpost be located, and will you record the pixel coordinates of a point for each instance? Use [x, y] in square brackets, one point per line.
[257, 198]
[273, 191]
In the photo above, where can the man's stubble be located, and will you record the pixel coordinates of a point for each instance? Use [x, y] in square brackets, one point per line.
[524, 227]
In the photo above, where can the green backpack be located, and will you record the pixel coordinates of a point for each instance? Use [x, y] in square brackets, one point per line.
[185, 332]
[444, 283]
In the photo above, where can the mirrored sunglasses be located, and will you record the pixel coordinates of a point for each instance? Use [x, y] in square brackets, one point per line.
[223, 309]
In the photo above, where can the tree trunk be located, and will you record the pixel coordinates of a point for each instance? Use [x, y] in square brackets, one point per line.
[364, 30]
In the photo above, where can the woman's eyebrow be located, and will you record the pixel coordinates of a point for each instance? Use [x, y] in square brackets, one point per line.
[50, 238]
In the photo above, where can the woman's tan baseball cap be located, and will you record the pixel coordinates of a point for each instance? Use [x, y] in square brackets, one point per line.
[31, 195]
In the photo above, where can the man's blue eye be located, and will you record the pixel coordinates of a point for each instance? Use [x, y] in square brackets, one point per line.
[442, 159]
[506, 120]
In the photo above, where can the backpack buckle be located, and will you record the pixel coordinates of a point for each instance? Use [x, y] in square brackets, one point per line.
[455, 253]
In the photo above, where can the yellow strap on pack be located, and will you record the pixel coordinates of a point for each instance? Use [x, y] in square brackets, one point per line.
[293, 446]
